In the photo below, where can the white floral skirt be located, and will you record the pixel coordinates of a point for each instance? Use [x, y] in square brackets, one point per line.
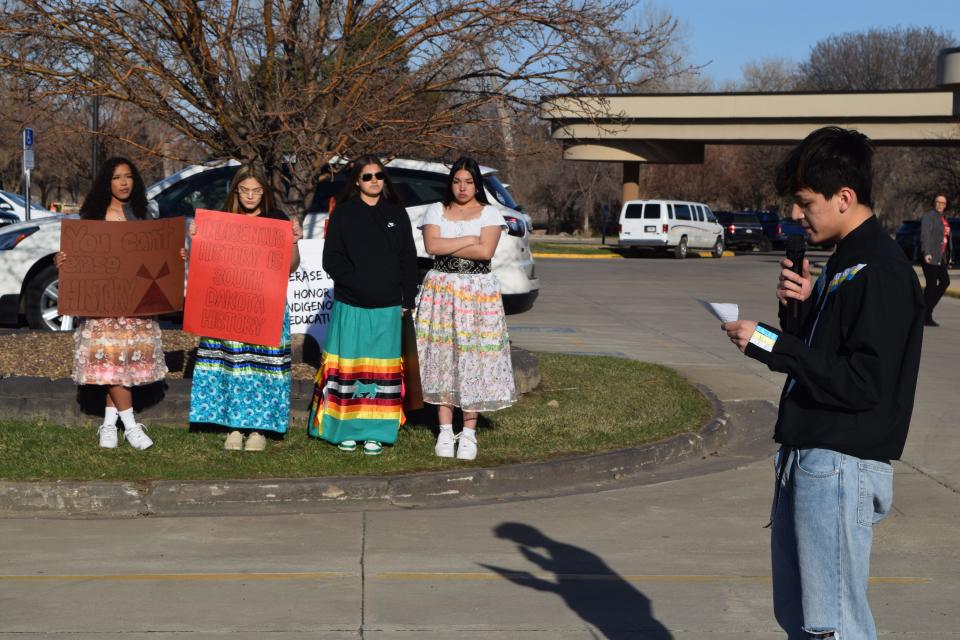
[118, 351]
[462, 342]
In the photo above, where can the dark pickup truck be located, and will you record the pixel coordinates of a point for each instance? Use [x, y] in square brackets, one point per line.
[741, 230]
[785, 229]
[776, 230]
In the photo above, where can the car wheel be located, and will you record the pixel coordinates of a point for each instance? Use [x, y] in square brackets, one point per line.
[41, 303]
[765, 245]
[718, 248]
[680, 252]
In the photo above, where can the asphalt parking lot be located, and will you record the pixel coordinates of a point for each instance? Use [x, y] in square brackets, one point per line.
[685, 557]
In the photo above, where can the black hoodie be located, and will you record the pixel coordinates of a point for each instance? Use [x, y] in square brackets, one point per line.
[370, 254]
[853, 355]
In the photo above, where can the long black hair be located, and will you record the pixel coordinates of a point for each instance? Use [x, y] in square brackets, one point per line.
[351, 189]
[232, 203]
[98, 199]
[470, 165]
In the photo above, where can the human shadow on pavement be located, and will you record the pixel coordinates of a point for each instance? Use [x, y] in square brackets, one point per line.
[588, 586]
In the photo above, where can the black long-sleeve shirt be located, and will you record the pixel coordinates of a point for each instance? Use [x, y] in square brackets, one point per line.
[370, 254]
[853, 355]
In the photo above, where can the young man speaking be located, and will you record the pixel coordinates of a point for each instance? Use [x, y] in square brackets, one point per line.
[851, 357]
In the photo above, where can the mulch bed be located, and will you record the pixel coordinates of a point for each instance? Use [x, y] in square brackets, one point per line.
[50, 355]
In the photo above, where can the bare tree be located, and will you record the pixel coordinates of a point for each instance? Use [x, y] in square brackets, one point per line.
[769, 75]
[885, 59]
[64, 141]
[877, 59]
[294, 83]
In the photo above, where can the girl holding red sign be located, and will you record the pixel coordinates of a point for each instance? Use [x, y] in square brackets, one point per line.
[370, 255]
[118, 353]
[245, 387]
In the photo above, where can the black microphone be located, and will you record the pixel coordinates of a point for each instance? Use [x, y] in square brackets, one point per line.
[796, 248]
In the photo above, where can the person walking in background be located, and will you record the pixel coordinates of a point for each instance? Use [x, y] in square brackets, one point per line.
[936, 246]
[370, 255]
[117, 353]
[246, 387]
[850, 346]
[462, 336]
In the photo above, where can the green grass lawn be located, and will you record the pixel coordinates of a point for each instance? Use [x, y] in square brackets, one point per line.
[570, 248]
[604, 403]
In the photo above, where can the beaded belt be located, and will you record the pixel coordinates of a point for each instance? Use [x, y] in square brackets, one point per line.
[453, 264]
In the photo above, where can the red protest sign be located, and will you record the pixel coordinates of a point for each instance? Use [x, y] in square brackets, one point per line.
[237, 286]
[117, 269]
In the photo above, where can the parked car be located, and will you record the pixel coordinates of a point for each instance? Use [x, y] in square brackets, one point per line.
[28, 280]
[787, 228]
[908, 237]
[13, 203]
[670, 225]
[776, 230]
[8, 218]
[741, 230]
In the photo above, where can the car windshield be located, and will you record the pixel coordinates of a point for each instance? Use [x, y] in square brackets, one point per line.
[20, 202]
[499, 191]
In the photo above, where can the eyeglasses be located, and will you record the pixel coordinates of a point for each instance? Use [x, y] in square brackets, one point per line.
[367, 177]
[250, 192]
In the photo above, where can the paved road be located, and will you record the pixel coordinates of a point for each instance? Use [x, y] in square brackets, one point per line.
[685, 558]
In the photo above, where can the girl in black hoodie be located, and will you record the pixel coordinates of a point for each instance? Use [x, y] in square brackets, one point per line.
[369, 253]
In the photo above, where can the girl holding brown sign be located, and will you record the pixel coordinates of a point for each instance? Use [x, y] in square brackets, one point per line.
[118, 353]
[245, 387]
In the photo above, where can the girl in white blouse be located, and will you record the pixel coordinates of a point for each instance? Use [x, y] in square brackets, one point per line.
[462, 336]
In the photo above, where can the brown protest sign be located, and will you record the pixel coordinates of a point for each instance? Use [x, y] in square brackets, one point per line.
[117, 269]
[239, 268]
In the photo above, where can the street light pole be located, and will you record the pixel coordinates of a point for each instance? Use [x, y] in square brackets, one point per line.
[95, 141]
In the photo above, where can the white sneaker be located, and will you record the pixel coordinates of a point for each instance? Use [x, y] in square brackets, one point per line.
[467, 445]
[108, 436]
[137, 438]
[255, 442]
[445, 441]
[234, 441]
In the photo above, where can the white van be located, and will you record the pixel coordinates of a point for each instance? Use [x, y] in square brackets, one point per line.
[673, 225]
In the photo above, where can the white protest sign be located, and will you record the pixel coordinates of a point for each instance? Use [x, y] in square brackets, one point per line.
[310, 293]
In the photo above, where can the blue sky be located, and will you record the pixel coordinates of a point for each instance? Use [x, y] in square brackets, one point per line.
[730, 33]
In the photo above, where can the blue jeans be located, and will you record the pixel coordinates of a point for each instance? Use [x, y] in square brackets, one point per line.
[820, 543]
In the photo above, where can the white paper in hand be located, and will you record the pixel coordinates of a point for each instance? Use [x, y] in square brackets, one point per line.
[723, 311]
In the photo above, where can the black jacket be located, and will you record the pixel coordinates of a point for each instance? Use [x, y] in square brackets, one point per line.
[853, 355]
[369, 253]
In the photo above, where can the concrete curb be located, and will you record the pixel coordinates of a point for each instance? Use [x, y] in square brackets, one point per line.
[577, 256]
[309, 495]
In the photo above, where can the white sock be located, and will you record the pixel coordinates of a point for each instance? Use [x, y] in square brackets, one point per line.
[469, 433]
[126, 417]
[446, 427]
[110, 416]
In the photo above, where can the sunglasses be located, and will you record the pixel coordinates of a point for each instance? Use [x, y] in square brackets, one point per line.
[367, 177]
